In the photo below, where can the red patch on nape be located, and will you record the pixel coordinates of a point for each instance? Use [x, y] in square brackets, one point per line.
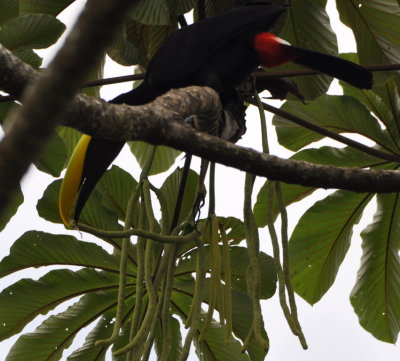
[271, 50]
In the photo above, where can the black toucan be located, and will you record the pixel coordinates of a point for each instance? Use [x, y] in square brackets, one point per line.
[219, 52]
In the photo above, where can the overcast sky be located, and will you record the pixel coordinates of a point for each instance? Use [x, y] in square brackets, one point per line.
[331, 327]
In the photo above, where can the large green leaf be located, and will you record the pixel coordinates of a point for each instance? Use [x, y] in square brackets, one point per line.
[376, 295]
[70, 138]
[117, 186]
[57, 332]
[11, 209]
[123, 50]
[241, 320]
[151, 12]
[234, 228]
[179, 7]
[37, 249]
[340, 114]
[389, 93]
[375, 24]
[239, 260]
[320, 242]
[148, 38]
[37, 31]
[242, 308]
[307, 26]
[291, 193]
[29, 56]
[176, 339]
[8, 9]
[52, 7]
[339, 157]
[26, 299]
[383, 102]
[89, 351]
[170, 188]
[163, 159]
[94, 213]
[214, 346]
[53, 157]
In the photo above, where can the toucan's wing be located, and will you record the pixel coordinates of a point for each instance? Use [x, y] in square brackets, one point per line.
[188, 49]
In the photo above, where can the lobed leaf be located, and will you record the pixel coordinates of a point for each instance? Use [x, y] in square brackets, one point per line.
[340, 114]
[376, 295]
[37, 31]
[320, 242]
[37, 249]
[26, 299]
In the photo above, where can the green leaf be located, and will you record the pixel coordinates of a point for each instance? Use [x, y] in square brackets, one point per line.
[47, 206]
[116, 187]
[162, 161]
[170, 191]
[320, 242]
[89, 351]
[148, 38]
[18, 309]
[376, 295]
[242, 308]
[339, 157]
[11, 209]
[340, 114]
[37, 249]
[239, 260]
[53, 157]
[36, 31]
[179, 7]
[70, 138]
[375, 24]
[151, 12]
[52, 7]
[56, 334]
[176, 339]
[291, 193]
[234, 228]
[94, 213]
[29, 56]
[382, 101]
[123, 50]
[307, 26]
[389, 93]
[214, 7]
[9, 9]
[96, 72]
[214, 346]
[241, 317]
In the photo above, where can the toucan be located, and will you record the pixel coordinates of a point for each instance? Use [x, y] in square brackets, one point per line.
[219, 52]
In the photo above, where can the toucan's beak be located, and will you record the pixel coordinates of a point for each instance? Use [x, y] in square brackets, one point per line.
[72, 180]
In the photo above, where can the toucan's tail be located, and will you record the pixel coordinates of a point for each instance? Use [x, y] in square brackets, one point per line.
[88, 163]
[339, 68]
[91, 158]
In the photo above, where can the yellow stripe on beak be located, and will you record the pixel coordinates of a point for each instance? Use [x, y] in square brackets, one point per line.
[72, 180]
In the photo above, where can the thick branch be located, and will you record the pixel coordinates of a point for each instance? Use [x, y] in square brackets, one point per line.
[161, 122]
[46, 99]
[157, 123]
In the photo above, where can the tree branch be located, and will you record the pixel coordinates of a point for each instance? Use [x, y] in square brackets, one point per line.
[46, 99]
[162, 122]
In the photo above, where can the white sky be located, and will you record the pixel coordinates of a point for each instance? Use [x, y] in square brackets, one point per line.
[331, 327]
